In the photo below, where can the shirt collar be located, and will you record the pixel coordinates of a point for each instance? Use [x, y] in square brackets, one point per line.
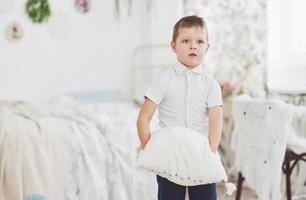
[181, 69]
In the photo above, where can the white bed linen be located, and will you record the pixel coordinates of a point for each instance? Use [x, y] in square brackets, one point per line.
[68, 150]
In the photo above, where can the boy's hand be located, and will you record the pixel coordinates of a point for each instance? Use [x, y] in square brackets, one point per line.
[143, 122]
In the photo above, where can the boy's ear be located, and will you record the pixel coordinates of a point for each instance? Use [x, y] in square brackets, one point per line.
[173, 46]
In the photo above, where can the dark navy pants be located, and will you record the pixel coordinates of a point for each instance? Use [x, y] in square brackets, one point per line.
[168, 190]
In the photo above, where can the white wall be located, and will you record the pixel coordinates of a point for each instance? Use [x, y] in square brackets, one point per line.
[163, 17]
[95, 54]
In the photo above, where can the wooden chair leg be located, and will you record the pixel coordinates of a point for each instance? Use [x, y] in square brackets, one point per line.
[290, 161]
[287, 169]
[239, 186]
[288, 182]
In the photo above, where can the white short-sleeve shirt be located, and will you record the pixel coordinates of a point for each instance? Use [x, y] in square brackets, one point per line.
[183, 97]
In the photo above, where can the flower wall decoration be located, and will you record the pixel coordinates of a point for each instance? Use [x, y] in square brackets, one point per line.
[82, 5]
[38, 10]
[14, 32]
[119, 5]
[123, 8]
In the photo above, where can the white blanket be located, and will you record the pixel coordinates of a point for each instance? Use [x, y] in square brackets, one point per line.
[259, 141]
[69, 150]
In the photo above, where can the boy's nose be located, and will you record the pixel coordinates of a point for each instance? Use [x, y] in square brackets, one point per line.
[193, 46]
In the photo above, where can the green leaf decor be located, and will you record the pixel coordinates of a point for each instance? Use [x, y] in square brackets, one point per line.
[38, 10]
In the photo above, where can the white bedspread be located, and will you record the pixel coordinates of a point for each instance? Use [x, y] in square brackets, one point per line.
[68, 150]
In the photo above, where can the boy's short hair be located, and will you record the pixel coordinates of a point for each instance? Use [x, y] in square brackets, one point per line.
[187, 22]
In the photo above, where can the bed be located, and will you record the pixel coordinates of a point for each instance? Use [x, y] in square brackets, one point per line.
[67, 150]
[78, 146]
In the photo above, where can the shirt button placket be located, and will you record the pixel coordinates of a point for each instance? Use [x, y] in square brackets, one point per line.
[187, 99]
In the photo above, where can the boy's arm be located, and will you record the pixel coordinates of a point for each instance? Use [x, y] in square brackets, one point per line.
[143, 122]
[215, 117]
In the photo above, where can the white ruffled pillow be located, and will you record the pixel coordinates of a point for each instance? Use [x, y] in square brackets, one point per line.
[183, 156]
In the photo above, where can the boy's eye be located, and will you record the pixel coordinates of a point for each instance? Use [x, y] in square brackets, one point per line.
[185, 41]
[201, 41]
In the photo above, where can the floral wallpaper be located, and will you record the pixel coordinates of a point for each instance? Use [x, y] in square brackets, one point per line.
[237, 35]
[237, 31]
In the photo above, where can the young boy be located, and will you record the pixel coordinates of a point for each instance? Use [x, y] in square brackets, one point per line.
[185, 96]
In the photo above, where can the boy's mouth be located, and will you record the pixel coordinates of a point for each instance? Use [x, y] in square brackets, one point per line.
[192, 54]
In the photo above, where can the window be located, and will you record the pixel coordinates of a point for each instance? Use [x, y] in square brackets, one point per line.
[286, 70]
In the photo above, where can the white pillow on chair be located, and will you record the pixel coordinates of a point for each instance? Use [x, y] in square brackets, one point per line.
[183, 156]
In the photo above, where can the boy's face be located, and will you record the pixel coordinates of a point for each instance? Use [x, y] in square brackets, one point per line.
[190, 46]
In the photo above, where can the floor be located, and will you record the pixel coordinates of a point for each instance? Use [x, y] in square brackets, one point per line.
[246, 194]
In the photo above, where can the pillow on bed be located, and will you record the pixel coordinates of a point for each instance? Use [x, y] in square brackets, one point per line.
[98, 95]
[183, 156]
